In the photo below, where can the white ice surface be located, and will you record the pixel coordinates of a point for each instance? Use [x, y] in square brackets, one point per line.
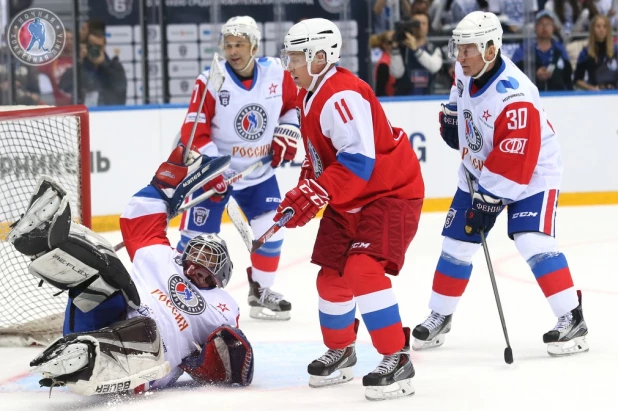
[467, 373]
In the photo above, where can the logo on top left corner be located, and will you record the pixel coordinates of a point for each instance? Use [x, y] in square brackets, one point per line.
[36, 36]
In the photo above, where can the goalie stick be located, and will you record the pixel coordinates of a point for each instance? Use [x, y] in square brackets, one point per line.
[235, 214]
[233, 179]
[508, 351]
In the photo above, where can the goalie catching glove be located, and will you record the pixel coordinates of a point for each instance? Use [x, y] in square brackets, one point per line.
[176, 181]
[226, 357]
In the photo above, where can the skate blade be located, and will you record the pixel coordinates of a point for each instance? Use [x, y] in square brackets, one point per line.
[396, 390]
[263, 313]
[344, 375]
[575, 346]
[72, 358]
[418, 345]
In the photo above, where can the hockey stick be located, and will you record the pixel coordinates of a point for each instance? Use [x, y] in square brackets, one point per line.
[508, 351]
[287, 216]
[233, 211]
[217, 77]
[233, 179]
[234, 214]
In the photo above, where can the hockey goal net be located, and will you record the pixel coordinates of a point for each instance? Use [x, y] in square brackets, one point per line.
[37, 141]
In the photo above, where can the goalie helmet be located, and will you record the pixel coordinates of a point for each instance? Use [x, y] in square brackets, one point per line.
[209, 252]
[478, 28]
[310, 37]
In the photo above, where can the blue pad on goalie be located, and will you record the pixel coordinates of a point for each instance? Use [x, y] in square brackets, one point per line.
[227, 358]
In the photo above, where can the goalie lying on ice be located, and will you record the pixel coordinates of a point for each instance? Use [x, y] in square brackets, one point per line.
[131, 332]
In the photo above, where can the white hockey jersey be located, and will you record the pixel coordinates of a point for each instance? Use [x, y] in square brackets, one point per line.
[185, 314]
[240, 119]
[505, 138]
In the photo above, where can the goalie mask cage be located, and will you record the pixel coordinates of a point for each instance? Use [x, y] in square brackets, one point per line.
[37, 141]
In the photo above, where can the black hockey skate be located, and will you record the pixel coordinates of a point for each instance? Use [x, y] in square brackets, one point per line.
[393, 376]
[266, 304]
[341, 362]
[569, 335]
[431, 332]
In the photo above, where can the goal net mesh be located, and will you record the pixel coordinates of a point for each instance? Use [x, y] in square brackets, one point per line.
[29, 148]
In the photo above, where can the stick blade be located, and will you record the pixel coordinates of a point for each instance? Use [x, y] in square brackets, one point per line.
[255, 245]
[216, 74]
[508, 355]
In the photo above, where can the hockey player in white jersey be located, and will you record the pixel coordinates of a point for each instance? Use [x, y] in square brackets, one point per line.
[252, 116]
[130, 333]
[510, 150]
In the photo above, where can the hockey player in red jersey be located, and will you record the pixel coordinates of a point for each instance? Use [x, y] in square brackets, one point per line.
[368, 174]
[510, 151]
[251, 116]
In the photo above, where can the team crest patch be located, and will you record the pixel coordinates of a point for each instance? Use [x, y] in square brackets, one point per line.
[460, 88]
[184, 298]
[36, 36]
[450, 217]
[224, 97]
[473, 135]
[315, 160]
[251, 122]
[200, 215]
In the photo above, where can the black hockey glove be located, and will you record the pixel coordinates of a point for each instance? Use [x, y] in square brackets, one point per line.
[483, 213]
[448, 125]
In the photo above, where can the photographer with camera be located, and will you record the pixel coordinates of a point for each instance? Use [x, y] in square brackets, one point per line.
[415, 62]
[103, 80]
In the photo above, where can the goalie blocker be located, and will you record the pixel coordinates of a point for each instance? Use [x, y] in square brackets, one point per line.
[70, 256]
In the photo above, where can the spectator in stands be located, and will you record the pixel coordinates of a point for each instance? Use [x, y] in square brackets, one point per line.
[103, 80]
[50, 75]
[568, 16]
[384, 81]
[553, 69]
[25, 79]
[597, 65]
[513, 13]
[446, 14]
[416, 60]
[383, 11]
[604, 7]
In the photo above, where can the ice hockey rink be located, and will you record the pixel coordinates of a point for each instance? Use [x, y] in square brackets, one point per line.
[467, 373]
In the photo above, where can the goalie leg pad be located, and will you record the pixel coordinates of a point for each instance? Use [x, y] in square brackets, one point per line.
[87, 266]
[227, 357]
[118, 358]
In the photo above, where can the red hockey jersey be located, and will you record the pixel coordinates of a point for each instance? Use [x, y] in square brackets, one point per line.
[356, 155]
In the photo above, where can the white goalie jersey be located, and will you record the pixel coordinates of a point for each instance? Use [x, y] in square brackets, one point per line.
[185, 314]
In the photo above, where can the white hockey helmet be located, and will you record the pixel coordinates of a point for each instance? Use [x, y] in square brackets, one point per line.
[310, 37]
[478, 28]
[244, 26]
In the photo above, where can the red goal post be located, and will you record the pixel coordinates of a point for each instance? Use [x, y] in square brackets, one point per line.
[35, 141]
